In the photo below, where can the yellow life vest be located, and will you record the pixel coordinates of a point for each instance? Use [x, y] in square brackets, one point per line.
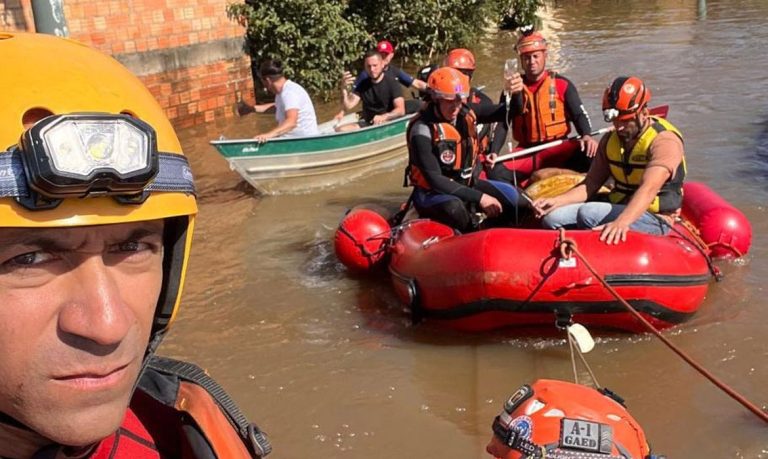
[543, 117]
[627, 169]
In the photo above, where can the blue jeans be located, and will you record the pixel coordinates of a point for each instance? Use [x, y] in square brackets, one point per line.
[591, 214]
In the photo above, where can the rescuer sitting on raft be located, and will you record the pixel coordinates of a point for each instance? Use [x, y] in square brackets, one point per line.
[443, 153]
[97, 208]
[563, 420]
[551, 103]
[648, 191]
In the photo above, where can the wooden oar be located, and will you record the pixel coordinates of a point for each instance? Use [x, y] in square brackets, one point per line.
[660, 111]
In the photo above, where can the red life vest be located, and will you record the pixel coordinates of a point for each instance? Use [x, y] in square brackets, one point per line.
[178, 411]
[456, 147]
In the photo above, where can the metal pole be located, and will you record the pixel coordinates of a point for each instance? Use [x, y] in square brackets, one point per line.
[702, 10]
[49, 17]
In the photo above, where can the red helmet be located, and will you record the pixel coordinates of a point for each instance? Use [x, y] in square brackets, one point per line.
[624, 98]
[530, 42]
[385, 47]
[448, 83]
[460, 59]
[568, 421]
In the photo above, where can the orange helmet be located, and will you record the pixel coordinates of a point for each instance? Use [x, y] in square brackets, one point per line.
[624, 98]
[568, 421]
[460, 59]
[530, 42]
[448, 83]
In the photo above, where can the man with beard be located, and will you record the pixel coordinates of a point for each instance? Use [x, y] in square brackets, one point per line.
[380, 93]
[645, 158]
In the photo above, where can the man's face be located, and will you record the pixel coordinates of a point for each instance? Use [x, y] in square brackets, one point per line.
[449, 108]
[76, 315]
[374, 66]
[534, 64]
[387, 58]
[629, 129]
[268, 85]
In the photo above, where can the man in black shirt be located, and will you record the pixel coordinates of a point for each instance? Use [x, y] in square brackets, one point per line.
[381, 95]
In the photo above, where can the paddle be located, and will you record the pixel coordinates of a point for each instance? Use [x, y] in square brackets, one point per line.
[660, 111]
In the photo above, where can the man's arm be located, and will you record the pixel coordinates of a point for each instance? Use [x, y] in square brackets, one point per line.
[575, 108]
[396, 112]
[262, 108]
[576, 112]
[666, 153]
[596, 177]
[288, 124]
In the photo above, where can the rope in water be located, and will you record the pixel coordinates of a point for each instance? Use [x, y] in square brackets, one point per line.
[568, 248]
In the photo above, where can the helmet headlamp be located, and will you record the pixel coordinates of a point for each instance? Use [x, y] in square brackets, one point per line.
[610, 114]
[76, 155]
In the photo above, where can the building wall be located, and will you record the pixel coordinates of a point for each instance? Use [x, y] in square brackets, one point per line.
[187, 52]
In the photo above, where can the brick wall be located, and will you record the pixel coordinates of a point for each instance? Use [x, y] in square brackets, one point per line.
[187, 52]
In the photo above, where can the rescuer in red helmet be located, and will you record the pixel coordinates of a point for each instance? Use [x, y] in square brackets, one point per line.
[645, 158]
[551, 103]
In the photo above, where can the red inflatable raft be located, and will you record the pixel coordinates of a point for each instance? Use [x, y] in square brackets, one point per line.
[516, 277]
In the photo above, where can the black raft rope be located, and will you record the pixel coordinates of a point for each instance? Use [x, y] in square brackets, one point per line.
[568, 248]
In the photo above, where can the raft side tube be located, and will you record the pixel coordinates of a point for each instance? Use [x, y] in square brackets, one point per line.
[723, 227]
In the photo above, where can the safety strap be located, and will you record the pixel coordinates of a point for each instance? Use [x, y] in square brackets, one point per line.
[191, 372]
[174, 175]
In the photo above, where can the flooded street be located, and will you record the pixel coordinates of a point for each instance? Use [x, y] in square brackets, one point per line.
[331, 366]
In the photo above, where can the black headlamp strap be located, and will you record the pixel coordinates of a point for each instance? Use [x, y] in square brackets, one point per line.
[174, 175]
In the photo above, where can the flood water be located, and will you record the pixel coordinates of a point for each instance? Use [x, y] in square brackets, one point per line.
[331, 366]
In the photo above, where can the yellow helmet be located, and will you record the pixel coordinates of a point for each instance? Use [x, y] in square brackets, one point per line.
[62, 97]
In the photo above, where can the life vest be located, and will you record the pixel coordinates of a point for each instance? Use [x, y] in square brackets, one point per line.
[483, 129]
[543, 118]
[178, 411]
[627, 170]
[456, 147]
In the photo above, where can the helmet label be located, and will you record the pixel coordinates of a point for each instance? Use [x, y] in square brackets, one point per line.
[523, 425]
[586, 436]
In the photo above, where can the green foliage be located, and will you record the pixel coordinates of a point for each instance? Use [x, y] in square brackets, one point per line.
[318, 39]
[312, 38]
[518, 13]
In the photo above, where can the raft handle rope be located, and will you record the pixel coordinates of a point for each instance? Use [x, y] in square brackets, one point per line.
[568, 247]
[697, 242]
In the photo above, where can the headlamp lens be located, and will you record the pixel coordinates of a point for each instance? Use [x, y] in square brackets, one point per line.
[610, 114]
[81, 146]
[83, 154]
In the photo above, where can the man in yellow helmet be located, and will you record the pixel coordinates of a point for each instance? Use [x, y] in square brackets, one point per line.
[97, 208]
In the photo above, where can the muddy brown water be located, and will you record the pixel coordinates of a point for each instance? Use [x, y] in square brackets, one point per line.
[330, 365]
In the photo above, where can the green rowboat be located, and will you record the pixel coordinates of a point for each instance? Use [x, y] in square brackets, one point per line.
[305, 163]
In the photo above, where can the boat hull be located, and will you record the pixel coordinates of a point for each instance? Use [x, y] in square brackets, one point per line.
[517, 277]
[307, 163]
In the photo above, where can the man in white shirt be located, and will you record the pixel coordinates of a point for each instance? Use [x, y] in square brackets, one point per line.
[294, 111]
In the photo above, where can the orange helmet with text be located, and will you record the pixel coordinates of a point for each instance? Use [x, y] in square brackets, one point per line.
[531, 41]
[460, 59]
[566, 420]
[624, 98]
[448, 83]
